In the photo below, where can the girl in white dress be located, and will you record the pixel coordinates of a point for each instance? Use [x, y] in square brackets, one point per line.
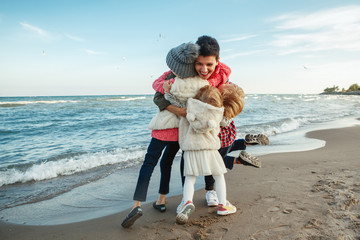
[198, 138]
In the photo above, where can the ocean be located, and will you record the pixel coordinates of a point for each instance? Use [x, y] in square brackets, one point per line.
[73, 158]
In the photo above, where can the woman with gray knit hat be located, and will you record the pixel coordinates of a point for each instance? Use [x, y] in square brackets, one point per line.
[197, 132]
[181, 61]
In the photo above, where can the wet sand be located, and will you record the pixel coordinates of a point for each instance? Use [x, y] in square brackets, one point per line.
[298, 195]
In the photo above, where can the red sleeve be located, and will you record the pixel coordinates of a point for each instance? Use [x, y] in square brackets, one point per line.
[220, 76]
[224, 73]
[158, 83]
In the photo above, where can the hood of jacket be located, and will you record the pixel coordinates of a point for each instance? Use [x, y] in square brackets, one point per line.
[185, 88]
[203, 117]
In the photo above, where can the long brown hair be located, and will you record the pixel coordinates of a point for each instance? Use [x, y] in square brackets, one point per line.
[210, 95]
[233, 100]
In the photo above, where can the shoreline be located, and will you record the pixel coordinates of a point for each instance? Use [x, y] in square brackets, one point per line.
[83, 203]
[315, 194]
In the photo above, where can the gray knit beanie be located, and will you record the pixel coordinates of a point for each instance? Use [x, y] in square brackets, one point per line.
[181, 59]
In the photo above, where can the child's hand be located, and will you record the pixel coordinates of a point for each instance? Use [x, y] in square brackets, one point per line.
[167, 86]
[182, 112]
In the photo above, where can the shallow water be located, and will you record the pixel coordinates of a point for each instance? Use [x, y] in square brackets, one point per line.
[59, 153]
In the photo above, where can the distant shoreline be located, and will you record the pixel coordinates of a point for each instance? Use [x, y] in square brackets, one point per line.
[341, 93]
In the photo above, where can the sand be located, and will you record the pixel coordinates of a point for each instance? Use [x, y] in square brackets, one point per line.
[298, 195]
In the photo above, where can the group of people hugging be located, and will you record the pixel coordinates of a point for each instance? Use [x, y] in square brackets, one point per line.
[197, 105]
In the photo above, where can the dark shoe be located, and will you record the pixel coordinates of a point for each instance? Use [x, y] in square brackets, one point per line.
[257, 139]
[132, 217]
[246, 159]
[160, 207]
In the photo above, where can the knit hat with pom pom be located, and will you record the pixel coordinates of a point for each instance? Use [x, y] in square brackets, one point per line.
[181, 59]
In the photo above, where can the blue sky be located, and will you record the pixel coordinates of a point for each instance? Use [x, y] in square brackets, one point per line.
[119, 47]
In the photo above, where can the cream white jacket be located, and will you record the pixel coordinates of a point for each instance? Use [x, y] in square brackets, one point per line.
[200, 129]
[182, 89]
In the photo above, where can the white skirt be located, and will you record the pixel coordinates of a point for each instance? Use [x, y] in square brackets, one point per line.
[203, 163]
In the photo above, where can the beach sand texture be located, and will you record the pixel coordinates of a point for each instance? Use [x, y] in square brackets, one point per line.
[298, 195]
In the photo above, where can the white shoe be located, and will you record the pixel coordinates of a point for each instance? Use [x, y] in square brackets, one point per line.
[185, 211]
[179, 206]
[211, 198]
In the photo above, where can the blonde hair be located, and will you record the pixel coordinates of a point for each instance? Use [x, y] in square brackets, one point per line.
[210, 95]
[233, 100]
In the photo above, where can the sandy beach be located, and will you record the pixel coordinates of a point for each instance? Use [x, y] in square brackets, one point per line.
[298, 195]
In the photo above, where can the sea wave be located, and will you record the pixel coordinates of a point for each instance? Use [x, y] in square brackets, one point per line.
[68, 166]
[125, 99]
[287, 125]
[311, 99]
[22, 103]
[273, 128]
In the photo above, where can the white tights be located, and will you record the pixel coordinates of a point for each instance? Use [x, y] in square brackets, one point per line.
[220, 185]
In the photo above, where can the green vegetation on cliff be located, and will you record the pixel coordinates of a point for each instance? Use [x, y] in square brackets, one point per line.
[354, 89]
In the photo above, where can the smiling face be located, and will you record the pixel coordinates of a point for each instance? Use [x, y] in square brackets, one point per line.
[205, 66]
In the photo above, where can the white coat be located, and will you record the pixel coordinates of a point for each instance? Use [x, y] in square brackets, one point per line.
[198, 138]
[182, 89]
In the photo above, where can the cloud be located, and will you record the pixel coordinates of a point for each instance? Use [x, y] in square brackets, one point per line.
[74, 38]
[235, 55]
[331, 29]
[42, 33]
[46, 35]
[240, 38]
[91, 52]
[332, 18]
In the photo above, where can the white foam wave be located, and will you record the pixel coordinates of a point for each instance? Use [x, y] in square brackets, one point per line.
[288, 125]
[69, 166]
[288, 98]
[125, 99]
[274, 128]
[22, 103]
[310, 99]
[34, 102]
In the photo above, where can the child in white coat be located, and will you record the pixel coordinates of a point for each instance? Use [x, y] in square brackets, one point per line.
[198, 138]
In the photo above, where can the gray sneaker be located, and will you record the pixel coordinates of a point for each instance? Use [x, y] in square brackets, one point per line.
[261, 139]
[184, 212]
[246, 159]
